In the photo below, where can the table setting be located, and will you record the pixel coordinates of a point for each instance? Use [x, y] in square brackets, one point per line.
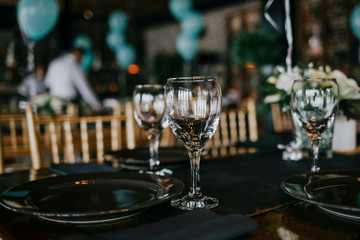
[242, 192]
[314, 103]
[138, 158]
[257, 189]
[109, 195]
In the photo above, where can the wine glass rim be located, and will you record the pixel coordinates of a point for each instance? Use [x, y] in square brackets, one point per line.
[192, 78]
[319, 79]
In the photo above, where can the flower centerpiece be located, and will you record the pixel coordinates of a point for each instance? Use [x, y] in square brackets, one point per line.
[278, 86]
[48, 104]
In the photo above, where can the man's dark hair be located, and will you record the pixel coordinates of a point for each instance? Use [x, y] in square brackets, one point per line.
[78, 50]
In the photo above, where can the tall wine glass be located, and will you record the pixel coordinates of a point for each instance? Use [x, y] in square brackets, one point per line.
[314, 103]
[193, 107]
[149, 113]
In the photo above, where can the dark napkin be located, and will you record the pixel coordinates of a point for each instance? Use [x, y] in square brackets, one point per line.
[71, 168]
[196, 224]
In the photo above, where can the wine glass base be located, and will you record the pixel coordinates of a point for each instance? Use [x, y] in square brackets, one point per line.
[315, 169]
[161, 172]
[190, 203]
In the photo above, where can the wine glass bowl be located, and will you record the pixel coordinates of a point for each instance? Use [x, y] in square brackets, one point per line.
[314, 103]
[149, 113]
[193, 108]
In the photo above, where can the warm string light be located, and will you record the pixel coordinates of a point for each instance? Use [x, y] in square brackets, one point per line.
[133, 69]
[113, 87]
[88, 14]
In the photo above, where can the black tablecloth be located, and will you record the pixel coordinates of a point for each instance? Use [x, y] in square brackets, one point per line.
[250, 183]
[247, 183]
[197, 224]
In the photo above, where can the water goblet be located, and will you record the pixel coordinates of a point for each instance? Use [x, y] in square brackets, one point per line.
[314, 103]
[149, 113]
[193, 107]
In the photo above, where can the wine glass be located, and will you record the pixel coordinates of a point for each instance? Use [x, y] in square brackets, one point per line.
[314, 103]
[149, 113]
[193, 107]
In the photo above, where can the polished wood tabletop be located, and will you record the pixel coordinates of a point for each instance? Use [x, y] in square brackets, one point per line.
[245, 182]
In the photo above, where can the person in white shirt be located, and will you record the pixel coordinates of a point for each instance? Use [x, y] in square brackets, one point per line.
[33, 84]
[65, 79]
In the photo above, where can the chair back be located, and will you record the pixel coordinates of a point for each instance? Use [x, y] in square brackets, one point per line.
[14, 143]
[282, 121]
[168, 139]
[236, 125]
[74, 139]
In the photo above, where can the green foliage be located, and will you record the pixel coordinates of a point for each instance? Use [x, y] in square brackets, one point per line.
[165, 65]
[258, 48]
[350, 108]
[267, 89]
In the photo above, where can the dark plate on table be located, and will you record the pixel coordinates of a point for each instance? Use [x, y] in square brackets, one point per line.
[336, 192]
[138, 159]
[91, 197]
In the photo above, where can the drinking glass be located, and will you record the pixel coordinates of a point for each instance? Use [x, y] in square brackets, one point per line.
[149, 113]
[193, 107]
[314, 103]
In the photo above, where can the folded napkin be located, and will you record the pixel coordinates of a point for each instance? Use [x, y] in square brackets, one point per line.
[70, 168]
[196, 224]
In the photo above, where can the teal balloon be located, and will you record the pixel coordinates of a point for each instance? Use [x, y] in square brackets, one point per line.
[115, 40]
[83, 42]
[355, 21]
[126, 55]
[118, 20]
[180, 8]
[87, 61]
[187, 46]
[36, 18]
[193, 24]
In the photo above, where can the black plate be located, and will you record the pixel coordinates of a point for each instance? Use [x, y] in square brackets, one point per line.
[336, 192]
[138, 159]
[91, 197]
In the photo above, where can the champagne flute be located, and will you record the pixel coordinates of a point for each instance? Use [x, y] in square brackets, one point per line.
[193, 107]
[314, 103]
[149, 113]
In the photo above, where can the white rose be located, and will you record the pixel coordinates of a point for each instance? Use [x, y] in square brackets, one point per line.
[57, 104]
[280, 69]
[352, 92]
[348, 88]
[313, 73]
[327, 68]
[271, 80]
[272, 98]
[41, 100]
[286, 81]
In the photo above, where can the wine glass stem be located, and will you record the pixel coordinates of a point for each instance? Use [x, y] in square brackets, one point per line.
[315, 155]
[195, 173]
[154, 151]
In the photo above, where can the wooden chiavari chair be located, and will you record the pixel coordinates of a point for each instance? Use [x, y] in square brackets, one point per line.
[14, 143]
[235, 126]
[74, 139]
[282, 121]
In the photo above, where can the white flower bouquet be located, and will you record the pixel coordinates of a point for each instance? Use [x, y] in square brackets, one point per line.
[45, 103]
[278, 87]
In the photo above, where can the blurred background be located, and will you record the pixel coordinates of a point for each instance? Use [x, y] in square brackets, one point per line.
[240, 42]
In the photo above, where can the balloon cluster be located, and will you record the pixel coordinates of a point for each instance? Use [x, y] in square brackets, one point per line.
[192, 25]
[355, 21]
[37, 18]
[84, 42]
[116, 39]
